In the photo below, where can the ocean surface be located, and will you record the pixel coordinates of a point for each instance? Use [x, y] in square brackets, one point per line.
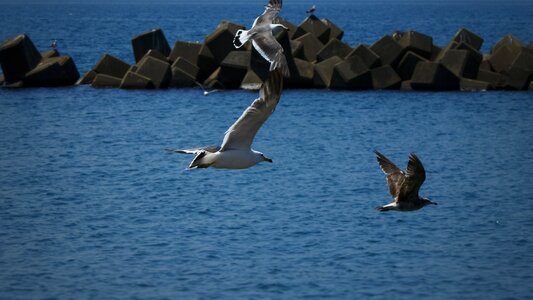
[91, 207]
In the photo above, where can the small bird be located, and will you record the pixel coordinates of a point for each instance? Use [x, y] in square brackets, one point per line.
[404, 186]
[206, 92]
[311, 10]
[262, 39]
[53, 45]
[235, 151]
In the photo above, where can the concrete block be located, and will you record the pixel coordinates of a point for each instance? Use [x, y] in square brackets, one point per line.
[324, 72]
[503, 57]
[112, 66]
[154, 39]
[418, 43]
[233, 68]
[495, 80]
[297, 48]
[466, 36]
[54, 71]
[524, 59]
[212, 81]
[406, 85]
[462, 63]
[435, 52]
[18, 56]
[352, 73]
[407, 65]
[370, 58]
[485, 65]
[311, 45]
[333, 48]
[104, 81]
[433, 76]
[335, 31]
[389, 51]
[156, 70]
[251, 81]
[184, 73]
[471, 85]
[187, 50]
[304, 74]
[87, 78]
[156, 54]
[220, 41]
[517, 79]
[206, 63]
[385, 77]
[50, 53]
[314, 26]
[510, 41]
[133, 80]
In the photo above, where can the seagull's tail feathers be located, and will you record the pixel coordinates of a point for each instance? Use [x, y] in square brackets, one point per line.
[201, 160]
[241, 37]
[382, 208]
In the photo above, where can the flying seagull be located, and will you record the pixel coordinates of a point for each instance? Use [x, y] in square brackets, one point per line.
[262, 39]
[404, 186]
[235, 151]
[311, 10]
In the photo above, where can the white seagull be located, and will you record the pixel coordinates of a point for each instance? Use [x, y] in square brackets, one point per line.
[262, 38]
[404, 186]
[235, 151]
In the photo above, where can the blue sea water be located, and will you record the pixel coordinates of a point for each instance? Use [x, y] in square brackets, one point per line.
[91, 207]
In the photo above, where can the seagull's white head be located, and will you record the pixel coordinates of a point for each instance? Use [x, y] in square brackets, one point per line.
[262, 157]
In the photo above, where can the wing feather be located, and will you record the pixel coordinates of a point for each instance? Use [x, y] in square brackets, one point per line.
[241, 134]
[415, 177]
[395, 176]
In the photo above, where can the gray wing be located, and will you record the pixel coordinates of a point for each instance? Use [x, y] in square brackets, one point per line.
[395, 176]
[271, 11]
[415, 176]
[271, 50]
[211, 149]
[241, 134]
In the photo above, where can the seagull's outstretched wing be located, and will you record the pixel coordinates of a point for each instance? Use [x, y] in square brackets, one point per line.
[271, 11]
[241, 134]
[415, 176]
[211, 149]
[272, 51]
[395, 176]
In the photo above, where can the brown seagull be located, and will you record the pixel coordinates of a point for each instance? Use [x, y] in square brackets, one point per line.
[404, 186]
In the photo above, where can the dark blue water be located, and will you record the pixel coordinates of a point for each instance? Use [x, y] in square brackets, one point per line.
[91, 207]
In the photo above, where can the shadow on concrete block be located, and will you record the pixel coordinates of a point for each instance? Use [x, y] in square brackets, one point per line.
[133, 80]
[18, 56]
[433, 76]
[324, 72]
[106, 81]
[352, 74]
[333, 48]
[151, 40]
[385, 77]
[54, 71]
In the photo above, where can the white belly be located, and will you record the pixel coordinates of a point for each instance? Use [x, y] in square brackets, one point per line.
[236, 159]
